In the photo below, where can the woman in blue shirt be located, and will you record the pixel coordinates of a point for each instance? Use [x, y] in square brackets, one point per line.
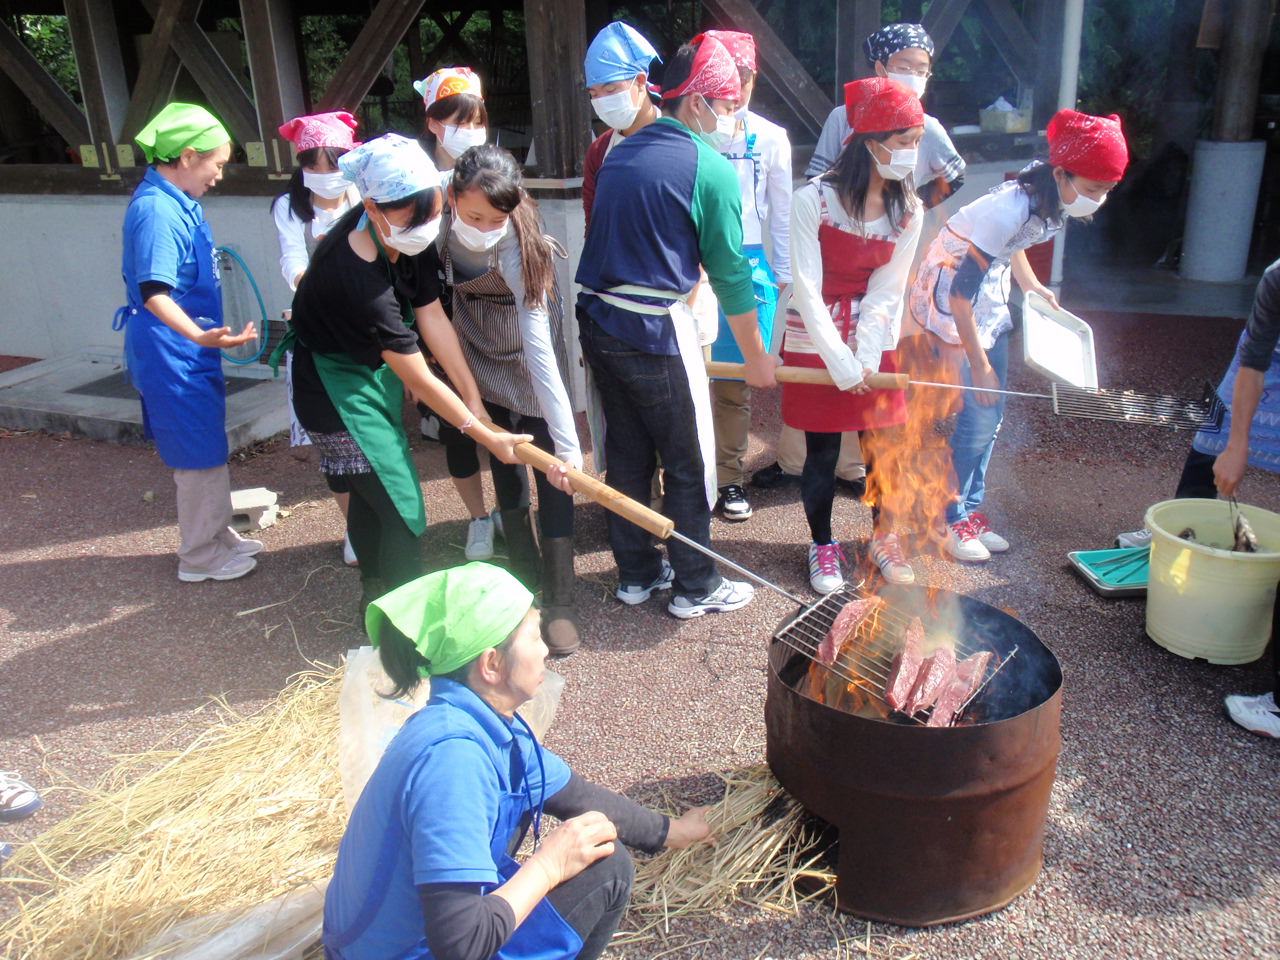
[173, 333]
[425, 869]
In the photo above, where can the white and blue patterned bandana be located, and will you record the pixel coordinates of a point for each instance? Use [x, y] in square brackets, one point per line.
[389, 168]
[887, 41]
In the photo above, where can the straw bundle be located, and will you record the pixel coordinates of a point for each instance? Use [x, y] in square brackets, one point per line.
[765, 855]
[252, 809]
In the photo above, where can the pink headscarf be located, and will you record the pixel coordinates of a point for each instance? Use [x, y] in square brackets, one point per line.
[713, 74]
[741, 46]
[321, 130]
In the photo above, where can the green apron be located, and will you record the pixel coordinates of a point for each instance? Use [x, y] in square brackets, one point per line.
[370, 403]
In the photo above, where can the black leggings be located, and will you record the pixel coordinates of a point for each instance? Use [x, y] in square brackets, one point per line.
[511, 480]
[460, 452]
[594, 901]
[388, 550]
[818, 481]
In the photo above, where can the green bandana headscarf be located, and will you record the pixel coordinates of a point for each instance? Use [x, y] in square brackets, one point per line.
[177, 126]
[452, 616]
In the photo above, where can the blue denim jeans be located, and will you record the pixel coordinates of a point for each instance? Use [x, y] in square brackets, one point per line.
[648, 412]
[975, 436]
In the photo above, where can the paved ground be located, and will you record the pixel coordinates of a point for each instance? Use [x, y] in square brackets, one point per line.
[1165, 818]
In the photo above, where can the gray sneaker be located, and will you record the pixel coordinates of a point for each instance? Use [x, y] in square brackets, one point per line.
[233, 569]
[480, 539]
[1134, 538]
[730, 595]
[632, 594]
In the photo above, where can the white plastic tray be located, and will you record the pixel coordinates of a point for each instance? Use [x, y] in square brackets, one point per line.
[1058, 344]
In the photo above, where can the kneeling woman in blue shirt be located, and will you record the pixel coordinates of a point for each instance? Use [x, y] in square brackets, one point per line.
[425, 869]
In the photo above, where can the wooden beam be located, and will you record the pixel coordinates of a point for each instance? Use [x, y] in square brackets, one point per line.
[47, 96]
[855, 21]
[942, 19]
[782, 70]
[451, 35]
[555, 34]
[216, 80]
[1235, 101]
[1017, 47]
[103, 86]
[273, 68]
[159, 63]
[384, 29]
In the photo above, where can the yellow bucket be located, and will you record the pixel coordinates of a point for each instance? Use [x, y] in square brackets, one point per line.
[1206, 600]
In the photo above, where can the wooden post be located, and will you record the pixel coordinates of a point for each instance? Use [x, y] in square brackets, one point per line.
[273, 69]
[103, 87]
[555, 33]
[50, 100]
[1240, 69]
[855, 21]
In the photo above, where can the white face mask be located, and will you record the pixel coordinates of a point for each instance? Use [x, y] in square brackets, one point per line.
[475, 239]
[618, 110]
[330, 186]
[458, 140]
[901, 163]
[411, 241]
[1081, 206]
[721, 135]
[911, 81]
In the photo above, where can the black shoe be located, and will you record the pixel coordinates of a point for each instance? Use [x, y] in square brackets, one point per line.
[856, 487]
[771, 476]
[733, 503]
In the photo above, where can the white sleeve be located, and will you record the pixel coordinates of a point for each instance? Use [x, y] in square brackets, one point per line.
[293, 242]
[806, 291]
[778, 188]
[995, 218]
[540, 358]
[880, 312]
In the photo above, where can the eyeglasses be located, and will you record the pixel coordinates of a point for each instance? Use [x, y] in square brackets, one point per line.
[925, 72]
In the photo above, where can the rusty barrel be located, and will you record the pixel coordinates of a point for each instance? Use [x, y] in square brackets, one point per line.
[935, 824]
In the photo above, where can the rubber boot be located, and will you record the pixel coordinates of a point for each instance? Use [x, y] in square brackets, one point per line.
[559, 627]
[523, 559]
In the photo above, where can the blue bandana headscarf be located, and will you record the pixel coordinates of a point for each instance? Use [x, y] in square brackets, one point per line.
[618, 52]
[389, 168]
[887, 41]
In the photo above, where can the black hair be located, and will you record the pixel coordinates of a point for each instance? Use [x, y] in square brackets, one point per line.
[299, 196]
[459, 108]
[402, 661]
[495, 173]
[173, 161]
[851, 176]
[1041, 187]
[427, 205]
[745, 74]
[676, 73]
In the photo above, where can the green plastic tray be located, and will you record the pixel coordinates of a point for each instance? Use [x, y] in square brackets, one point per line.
[1101, 570]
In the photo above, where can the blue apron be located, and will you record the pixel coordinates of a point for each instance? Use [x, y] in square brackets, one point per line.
[725, 348]
[1264, 431]
[544, 934]
[183, 391]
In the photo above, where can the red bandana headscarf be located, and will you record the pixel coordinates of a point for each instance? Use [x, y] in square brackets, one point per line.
[321, 130]
[713, 74]
[878, 104]
[741, 46]
[1088, 146]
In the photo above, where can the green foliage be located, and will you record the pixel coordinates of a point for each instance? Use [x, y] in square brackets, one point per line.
[49, 40]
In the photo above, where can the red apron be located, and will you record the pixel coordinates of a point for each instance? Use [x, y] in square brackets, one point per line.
[848, 260]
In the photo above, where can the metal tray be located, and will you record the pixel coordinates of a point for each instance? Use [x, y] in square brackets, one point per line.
[1128, 581]
[1058, 344]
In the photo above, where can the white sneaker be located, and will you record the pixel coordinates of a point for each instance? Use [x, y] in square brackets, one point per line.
[826, 566]
[1134, 538]
[233, 569]
[632, 594]
[429, 427]
[349, 553]
[1258, 714]
[963, 543]
[886, 552]
[986, 536]
[18, 799]
[480, 539]
[730, 595]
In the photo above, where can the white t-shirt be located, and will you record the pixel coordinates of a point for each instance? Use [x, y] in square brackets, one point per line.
[292, 232]
[765, 179]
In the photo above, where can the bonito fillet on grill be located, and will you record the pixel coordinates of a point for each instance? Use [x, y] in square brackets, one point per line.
[846, 624]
